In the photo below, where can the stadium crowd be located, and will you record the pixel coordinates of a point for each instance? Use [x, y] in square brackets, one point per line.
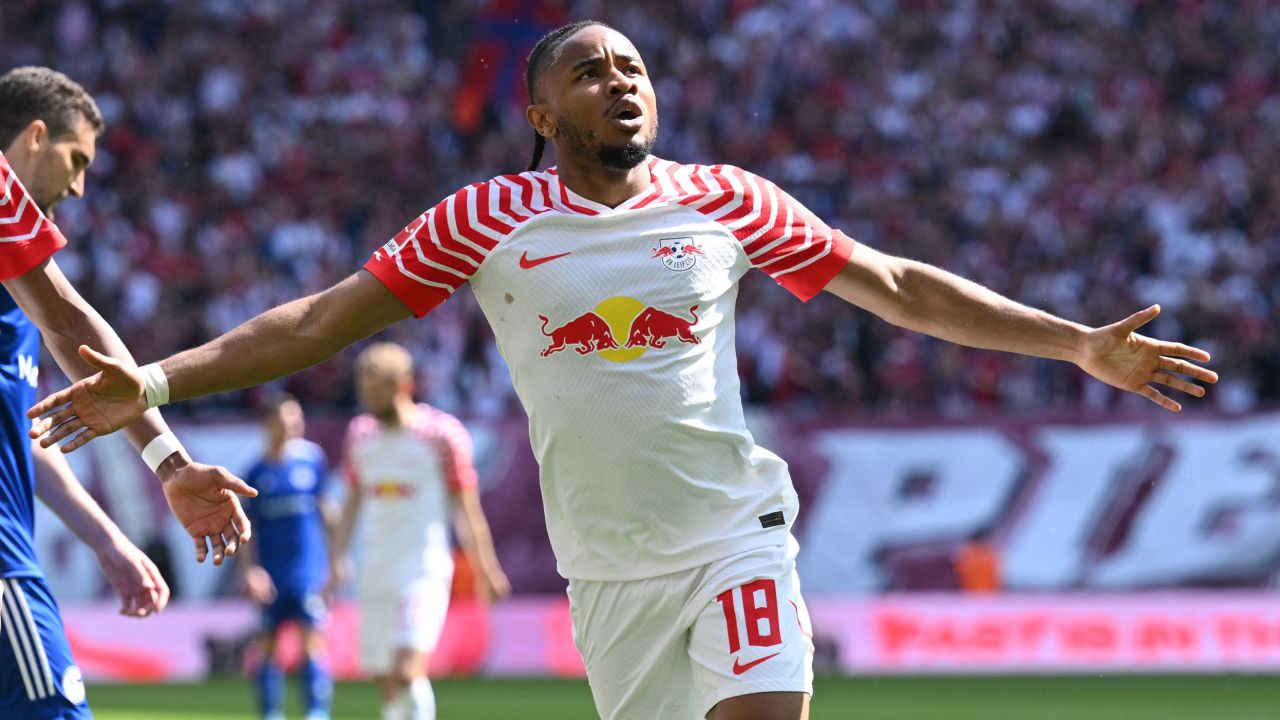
[1085, 156]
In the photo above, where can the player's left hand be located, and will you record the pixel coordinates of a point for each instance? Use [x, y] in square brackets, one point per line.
[1118, 356]
[492, 585]
[135, 579]
[203, 498]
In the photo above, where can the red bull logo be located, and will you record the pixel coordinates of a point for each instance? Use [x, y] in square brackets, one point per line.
[588, 331]
[678, 254]
[643, 327]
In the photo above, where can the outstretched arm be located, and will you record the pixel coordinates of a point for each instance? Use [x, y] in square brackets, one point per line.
[202, 497]
[276, 343]
[131, 573]
[66, 322]
[924, 298]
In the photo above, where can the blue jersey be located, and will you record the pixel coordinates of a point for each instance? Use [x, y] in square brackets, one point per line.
[288, 529]
[19, 355]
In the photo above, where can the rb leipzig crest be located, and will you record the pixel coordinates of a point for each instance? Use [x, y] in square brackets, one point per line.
[678, 254]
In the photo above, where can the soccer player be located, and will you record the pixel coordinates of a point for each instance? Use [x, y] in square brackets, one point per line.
[287, 576]
[405, 462]
[48, 130]
[610, 284]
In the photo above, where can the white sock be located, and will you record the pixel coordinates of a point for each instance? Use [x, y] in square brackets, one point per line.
[422, 700]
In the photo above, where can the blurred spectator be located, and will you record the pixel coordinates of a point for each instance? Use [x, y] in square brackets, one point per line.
[1086, 156]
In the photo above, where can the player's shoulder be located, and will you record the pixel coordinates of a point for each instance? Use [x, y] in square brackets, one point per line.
[433, 422]
[712, 179]
[510, 183]
[362, 426]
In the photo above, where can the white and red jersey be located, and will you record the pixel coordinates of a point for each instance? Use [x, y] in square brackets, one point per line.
[405, 476]
[27, 237]
[618, 327]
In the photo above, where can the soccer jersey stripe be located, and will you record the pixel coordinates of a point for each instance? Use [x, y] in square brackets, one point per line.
[453, 445]
[44, 660]
[453, 255]
[481, 219]
[9, 624]
[501, 192]
[442, 234]
[27, 238]
[22, 635]
[12, 213]
[460, 222]
[20, 658]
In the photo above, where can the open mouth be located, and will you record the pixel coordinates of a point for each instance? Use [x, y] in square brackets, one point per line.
[627, 115]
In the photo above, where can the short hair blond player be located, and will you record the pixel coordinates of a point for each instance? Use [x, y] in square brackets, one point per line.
[385, 358]
[408, 465]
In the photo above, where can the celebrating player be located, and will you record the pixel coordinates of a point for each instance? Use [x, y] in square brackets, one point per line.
[405, 461]
[48, 131]
[287, 576]
[610, 284]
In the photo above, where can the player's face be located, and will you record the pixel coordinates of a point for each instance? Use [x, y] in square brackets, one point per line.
[601, 100]
[286, 423]
[292, 422]
[377, 391]
[58, 167]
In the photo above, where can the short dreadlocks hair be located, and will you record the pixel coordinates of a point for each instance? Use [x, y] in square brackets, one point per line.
[540, 59]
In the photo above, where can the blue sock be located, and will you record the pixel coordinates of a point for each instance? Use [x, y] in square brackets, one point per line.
[271, 687]
[318, 685]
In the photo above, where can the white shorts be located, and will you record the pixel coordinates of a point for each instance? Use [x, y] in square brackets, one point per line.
[674, 646]
[411, 618]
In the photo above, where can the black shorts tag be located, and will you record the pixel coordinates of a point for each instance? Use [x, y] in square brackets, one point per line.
[773, 519]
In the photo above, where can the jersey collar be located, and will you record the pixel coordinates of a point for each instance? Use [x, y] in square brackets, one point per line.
[576, 204]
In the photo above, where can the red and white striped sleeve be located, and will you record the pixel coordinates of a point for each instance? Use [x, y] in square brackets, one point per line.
[779, 235]
[453, 443]
[360, 427]
[27, 237]
[442, 248]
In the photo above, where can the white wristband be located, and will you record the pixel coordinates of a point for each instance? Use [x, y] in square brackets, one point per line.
[160, 447]
[156, 385]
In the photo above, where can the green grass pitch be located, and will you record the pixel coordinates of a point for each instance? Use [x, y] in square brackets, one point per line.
[913, 698]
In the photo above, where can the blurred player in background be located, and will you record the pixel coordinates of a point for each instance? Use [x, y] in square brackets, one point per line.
[409, 465]
[610, 283]
[286, 571]
[49, 128]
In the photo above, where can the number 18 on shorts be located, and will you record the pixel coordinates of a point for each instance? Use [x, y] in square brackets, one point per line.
[676, 645]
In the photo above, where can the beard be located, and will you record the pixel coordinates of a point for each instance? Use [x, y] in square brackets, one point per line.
[616, 157]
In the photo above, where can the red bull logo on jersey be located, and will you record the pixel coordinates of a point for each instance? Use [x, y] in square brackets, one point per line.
[678, 254]
[589, 332]
[391, 489]
[598, 331]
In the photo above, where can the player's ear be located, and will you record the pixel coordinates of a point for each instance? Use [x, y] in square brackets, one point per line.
[540, 118]
[35, 135]
[28, 141]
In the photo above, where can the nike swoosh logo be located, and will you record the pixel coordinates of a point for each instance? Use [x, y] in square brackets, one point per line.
[739, 668]
[527, 262]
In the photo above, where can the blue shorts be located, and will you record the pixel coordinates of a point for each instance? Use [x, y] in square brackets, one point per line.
[38, 678]
[306, 609]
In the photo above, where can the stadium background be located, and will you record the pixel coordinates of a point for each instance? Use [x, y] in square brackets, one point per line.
[964, 512]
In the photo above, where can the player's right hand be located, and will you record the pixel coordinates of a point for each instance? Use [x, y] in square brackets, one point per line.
[97, 405]
[203, 498]
[135, 579]
[258, 585]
